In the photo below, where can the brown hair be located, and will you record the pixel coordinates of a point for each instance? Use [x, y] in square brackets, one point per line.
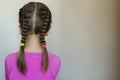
[34, 18]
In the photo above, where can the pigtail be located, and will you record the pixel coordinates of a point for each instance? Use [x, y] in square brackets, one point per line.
[21, 57]
[45, 60]
[43, 16]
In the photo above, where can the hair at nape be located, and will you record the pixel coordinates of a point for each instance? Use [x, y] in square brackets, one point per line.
[34, 18]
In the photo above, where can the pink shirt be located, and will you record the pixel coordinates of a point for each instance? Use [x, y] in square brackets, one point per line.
[33, 60]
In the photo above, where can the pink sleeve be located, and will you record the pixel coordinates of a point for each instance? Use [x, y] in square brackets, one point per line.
[6, 70]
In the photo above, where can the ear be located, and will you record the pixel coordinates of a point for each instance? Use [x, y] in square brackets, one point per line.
[47, 32]
[20, 30]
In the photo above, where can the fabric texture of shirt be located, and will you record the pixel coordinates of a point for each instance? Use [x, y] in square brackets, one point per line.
[33, 63]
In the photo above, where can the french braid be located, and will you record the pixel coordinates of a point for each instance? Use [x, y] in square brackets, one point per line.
[45, 15]
[26, 26]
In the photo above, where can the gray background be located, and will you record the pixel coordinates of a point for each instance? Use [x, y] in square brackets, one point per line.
[85, 34]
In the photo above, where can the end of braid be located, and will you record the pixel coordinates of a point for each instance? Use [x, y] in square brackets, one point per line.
[21, 61]
[45, 61]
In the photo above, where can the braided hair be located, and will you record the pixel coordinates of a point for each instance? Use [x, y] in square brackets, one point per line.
[34, 18]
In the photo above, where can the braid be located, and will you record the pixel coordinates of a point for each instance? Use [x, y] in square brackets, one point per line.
[45, 17]
[26, 28]
[21, 58]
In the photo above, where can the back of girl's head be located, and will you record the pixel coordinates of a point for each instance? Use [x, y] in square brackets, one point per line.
[34, 18]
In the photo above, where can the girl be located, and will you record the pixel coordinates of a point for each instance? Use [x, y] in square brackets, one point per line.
[33, 61]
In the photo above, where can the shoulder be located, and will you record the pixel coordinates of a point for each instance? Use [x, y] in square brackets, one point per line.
[54, 57]
[10, 57]
[56, 63]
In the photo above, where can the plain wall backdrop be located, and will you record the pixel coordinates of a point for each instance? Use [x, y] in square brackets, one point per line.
[84, 34]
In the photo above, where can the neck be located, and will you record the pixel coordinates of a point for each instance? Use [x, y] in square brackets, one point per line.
[33, 44]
